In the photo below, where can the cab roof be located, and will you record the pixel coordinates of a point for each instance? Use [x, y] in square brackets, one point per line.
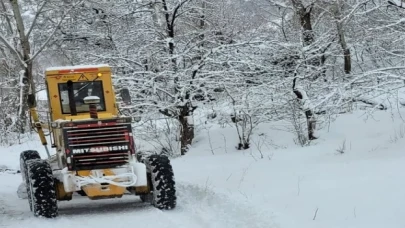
[77, 69]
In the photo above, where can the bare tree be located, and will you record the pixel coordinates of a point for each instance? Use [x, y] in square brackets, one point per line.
[23, 52]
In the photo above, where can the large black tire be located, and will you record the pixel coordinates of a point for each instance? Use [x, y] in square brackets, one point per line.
[41, 189]
[161, 179]
[24, 157]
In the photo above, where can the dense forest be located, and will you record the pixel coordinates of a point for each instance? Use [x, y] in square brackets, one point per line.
[187, 63]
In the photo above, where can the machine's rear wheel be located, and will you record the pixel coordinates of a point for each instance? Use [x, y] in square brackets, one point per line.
[24, 157]
[41, 189]
[161, 178]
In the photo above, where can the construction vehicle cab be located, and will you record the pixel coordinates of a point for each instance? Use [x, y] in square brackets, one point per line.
[80, 82]
[94, 146]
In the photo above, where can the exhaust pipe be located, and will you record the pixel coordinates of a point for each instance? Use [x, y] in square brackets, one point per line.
[93, 111]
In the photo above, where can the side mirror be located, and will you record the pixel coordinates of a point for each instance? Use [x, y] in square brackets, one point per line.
[126, 97]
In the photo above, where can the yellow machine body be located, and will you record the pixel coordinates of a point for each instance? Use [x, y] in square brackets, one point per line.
[101, 74]
[100, 191]
[59, 109]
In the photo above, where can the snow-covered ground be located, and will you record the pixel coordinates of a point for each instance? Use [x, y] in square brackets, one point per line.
[288, 187]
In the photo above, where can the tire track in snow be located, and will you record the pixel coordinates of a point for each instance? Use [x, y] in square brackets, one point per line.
[9, 202]
[2, 211]
[7, 211]
[209, 209]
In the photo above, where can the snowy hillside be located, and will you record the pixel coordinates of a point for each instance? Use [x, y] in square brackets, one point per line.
[359, 183]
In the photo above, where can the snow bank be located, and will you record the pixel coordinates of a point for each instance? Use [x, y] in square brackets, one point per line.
[351, 177]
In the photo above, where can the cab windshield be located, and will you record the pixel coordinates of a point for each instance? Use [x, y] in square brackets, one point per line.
[81, 90]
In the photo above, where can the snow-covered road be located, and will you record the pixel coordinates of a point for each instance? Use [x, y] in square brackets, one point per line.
[197, 207]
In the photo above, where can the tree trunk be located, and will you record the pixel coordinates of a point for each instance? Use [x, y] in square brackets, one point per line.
[305, 19]
[185, 116]
[187, 126]
[27, 80]
[308, 38]
[170, 32]
[309, 113]
[342, 39]
[311, 124]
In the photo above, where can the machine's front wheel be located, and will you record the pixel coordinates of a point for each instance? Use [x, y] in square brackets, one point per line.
[161, 178]
[25, 157]
[41, 189]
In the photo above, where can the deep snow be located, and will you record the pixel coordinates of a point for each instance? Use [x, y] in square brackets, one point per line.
[290, 187]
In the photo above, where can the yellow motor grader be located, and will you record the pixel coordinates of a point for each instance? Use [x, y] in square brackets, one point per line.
[94, 147]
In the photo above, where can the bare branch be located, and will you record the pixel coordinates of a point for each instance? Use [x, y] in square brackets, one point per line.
[53, 33]
[13, 50]
[35, 18]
